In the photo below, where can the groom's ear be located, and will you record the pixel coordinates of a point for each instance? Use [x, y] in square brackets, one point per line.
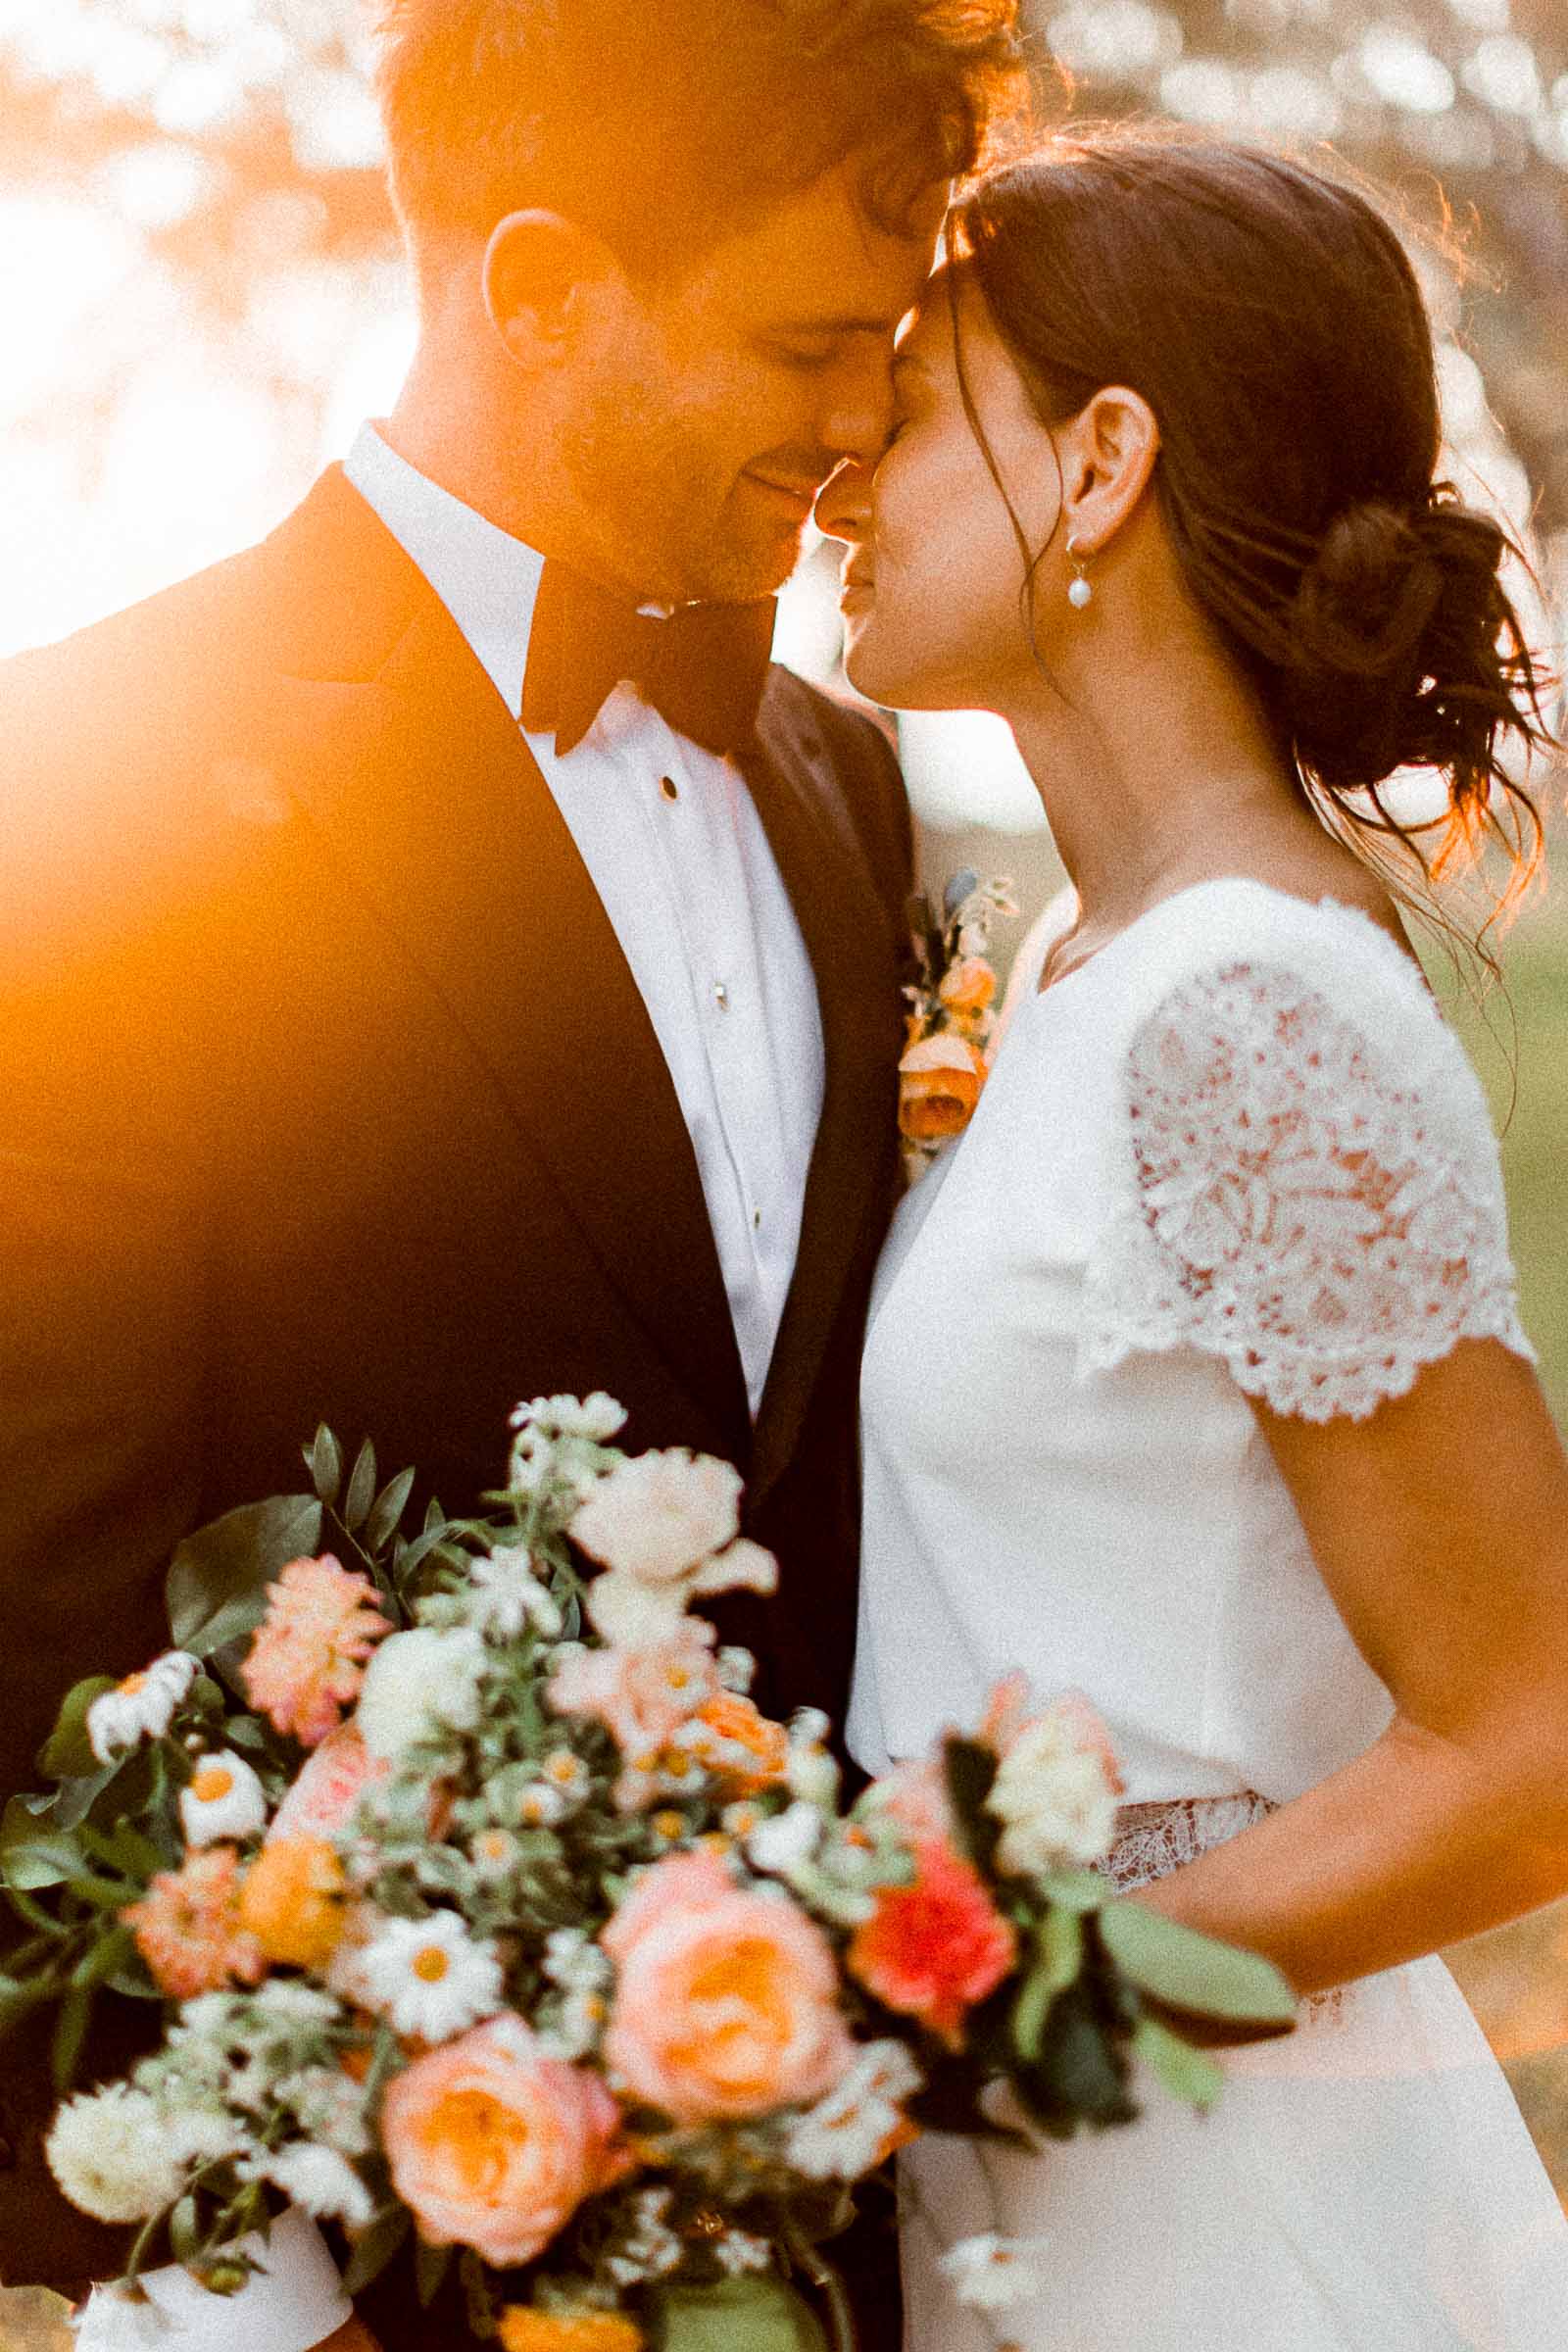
[540, 272]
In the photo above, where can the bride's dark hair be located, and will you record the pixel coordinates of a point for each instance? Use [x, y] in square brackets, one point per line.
[1273, 322]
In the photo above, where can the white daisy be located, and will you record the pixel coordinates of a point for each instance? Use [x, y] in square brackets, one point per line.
[430, 1976]
[843, 2135]
[111, 2152]
[574, 1961]
[141, 1708]
[493, 1853]
[505, 1594]
[318, 2180]
[990, 2272]
[224, 1798]
[540, 1805]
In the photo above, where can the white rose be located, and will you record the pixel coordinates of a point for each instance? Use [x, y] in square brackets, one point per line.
[1055, 1794]
[418, 1683]
[112, 2154]
[659, 1515]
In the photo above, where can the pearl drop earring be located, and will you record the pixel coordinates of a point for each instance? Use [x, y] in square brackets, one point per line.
[1079, 590]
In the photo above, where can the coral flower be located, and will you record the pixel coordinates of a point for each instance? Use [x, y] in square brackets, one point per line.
[726, 2000]
[495, 2146]
[292, 1901]
[189, 1931]
[934, 1948]
[968, 985]
[526, 2330]
[764, 1746]
[307, 1661]
[326, 1792]
[940, 1081]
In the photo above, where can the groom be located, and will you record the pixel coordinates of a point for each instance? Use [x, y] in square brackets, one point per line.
[443, 961]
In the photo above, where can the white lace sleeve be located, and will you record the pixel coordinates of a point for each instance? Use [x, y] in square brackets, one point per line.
[1323, 1213]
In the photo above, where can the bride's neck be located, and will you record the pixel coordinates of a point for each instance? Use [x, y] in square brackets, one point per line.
[1157, 769]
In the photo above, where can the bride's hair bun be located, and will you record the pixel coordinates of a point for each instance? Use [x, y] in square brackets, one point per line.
[1272, 319]
[1393, 657]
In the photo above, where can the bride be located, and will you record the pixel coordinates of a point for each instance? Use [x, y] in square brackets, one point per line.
[1195, 1377]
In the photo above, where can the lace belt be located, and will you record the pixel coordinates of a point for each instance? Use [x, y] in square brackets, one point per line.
[1157, 1838]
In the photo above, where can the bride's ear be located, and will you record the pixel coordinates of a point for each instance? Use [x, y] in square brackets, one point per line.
[1107, 454]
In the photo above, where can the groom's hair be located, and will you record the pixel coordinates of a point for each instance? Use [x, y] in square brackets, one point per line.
[666, 126]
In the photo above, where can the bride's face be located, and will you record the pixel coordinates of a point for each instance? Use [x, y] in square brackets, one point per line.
[933, 610]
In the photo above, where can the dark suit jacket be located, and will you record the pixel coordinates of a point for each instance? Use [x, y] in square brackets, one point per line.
[326, 1092]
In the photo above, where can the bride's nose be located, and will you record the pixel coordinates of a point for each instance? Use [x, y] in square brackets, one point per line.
[844, 503]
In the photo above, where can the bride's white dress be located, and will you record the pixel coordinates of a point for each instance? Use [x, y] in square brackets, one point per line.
[1238, 1152]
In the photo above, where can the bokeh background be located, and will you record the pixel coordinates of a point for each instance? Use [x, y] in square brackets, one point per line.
[201, 296]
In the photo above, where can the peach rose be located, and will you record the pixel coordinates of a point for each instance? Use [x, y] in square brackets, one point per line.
[940, 1082]
[291, 1901]
[320, 1801]
[726, 2000]
[493, 2146]
[968, 985]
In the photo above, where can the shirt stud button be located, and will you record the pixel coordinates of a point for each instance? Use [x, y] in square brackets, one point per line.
[721, 996]
[669, 788]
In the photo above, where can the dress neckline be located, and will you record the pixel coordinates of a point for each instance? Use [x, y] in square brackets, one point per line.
[1245, 882]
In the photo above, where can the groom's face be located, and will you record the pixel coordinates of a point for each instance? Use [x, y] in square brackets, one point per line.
[716, 403]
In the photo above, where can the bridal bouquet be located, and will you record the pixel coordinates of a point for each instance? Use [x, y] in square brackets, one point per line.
[952, 1000]
[484, 1906]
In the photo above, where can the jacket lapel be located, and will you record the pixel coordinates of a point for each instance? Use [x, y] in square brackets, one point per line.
[845, 927]
[420, 781]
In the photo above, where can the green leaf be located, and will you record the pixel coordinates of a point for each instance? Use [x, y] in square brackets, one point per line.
[19, 1997]
[30, 1858]
[71, 2032]
[324, 1458]
[969, 1769]
[376, 2247]
[217, 1588]
[113, 1949]
[1187, 2074]
[361, 1489]
[184, 2230]
[67, 1753]
[1075, 1889]
[242, 1731]
[1079, 2074]
[1061, 1954]
[389, 1509]
[1192, 1972]
[431, 2267]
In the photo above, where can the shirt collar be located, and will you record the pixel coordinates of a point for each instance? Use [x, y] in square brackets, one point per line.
[487, 580]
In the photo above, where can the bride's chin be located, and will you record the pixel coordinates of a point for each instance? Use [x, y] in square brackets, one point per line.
[872, 674]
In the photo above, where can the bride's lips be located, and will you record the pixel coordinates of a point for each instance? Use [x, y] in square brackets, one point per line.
[856, 591]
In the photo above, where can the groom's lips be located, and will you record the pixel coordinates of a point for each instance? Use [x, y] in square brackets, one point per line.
[798, 497]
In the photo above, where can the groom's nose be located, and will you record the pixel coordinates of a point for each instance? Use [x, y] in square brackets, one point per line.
[857, 411]
[844, 503]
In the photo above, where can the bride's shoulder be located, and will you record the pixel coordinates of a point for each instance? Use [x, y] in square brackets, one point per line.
[1226, 948]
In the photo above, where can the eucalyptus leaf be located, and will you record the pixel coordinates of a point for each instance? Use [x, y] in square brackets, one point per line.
[361, 1489]
[765, 2314]
[389, 1507]
[1192, 1972]
[1187, 2074]
[32, 1858]
[217, 1580]
[1061, 1954]
[67, 1753]
[374, 2247]
[958, 890]
[324, 1458]
[1075, 1889]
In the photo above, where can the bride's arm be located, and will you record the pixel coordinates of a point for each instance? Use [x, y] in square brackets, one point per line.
[1440, 1525]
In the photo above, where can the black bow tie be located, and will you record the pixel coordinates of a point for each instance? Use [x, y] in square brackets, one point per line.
[704, 669]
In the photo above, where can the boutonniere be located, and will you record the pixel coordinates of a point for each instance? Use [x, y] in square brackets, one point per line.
[952, 1003]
